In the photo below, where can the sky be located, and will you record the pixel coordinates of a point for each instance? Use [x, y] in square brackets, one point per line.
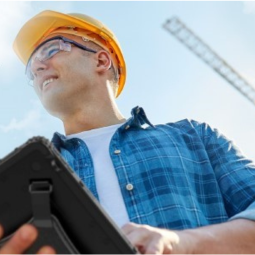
[163, 76]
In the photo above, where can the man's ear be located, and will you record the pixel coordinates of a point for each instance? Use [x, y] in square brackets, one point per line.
[103, 61]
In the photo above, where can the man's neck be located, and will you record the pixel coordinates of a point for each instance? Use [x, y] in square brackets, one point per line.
[92, 118]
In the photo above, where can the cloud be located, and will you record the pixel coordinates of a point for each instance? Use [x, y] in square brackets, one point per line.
[12, 16]
[249, 7]
[35, 122]
[30, 124]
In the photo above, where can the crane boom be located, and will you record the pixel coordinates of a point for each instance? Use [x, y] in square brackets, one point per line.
[178, 29]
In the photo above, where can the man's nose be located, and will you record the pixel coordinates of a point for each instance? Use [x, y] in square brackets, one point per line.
[38, 66]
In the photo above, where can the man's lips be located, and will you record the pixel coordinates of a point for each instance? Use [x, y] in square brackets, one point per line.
[47, 81]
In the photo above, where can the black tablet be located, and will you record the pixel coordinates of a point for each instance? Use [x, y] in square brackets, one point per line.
[38, 186]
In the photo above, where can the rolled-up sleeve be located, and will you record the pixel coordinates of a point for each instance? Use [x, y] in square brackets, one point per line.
[248, 214]
[235, 174]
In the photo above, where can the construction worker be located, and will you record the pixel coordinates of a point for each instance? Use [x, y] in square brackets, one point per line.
[176, 188]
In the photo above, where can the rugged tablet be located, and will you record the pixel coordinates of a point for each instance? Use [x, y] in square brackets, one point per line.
[38, 186]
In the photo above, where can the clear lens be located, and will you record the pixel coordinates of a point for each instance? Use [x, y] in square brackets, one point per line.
[47, 51]
[29, 74]
[44, 52]
[30, 82]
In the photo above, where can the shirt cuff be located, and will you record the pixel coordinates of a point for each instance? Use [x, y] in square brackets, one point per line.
[248, 214]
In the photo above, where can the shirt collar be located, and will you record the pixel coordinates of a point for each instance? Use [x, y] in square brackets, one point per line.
[137, 120]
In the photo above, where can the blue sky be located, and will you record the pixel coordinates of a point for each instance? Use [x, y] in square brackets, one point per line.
[165, 78]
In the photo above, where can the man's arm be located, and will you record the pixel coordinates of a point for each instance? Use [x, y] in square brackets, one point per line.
[236, 236]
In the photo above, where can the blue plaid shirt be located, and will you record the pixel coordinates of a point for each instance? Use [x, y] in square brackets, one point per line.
[184, 174]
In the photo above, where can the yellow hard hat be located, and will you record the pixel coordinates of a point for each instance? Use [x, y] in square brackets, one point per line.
[46, 22]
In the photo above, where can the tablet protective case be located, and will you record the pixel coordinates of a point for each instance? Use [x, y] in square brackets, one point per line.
[37, 186]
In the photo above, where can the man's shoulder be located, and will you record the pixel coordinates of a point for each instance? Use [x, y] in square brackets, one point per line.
[185, 124]
[189, 127]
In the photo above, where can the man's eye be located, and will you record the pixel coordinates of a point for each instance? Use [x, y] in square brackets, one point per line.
[52, 52]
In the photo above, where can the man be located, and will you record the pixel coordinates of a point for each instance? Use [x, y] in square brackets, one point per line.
[175, 188]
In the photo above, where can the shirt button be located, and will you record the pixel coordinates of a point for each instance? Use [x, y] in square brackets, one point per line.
[127, 127]
[129, 187]
[117, 151]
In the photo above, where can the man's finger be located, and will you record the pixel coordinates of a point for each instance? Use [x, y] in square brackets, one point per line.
[21, 240]
[137, 237]
[155, 246]
[46, 250]
[1, 231]
[129, 227]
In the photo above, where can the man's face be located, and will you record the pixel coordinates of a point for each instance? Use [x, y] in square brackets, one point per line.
[66, 79]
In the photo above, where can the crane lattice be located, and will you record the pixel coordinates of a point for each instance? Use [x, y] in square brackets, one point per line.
[204, 52]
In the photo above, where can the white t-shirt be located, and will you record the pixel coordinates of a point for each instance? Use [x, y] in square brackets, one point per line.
[110, 197]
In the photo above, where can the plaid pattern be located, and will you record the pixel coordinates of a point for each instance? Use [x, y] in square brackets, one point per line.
[184, 174]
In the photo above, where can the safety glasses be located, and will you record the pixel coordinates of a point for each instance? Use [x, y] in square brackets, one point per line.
[50, 48]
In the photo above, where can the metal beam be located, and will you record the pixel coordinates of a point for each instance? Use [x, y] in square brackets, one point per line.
[210, 57]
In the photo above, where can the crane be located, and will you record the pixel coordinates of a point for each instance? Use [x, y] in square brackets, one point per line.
[187, 37]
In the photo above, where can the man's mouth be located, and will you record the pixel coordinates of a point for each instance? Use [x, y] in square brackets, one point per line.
[47, 82]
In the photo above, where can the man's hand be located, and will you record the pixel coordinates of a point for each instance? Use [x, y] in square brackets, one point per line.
[150, 240]
[22, 240]
[235, 237]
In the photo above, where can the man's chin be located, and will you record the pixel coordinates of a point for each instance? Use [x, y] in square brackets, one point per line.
[54, 109]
